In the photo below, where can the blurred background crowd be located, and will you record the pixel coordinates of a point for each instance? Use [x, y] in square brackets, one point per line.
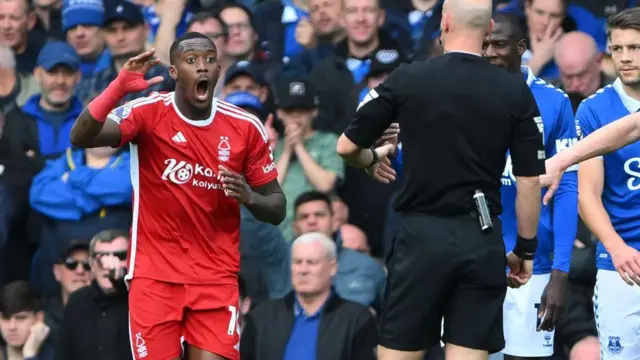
[301, 66]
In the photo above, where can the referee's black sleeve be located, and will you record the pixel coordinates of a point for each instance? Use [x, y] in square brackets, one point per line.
[377, 111]
[527, 148]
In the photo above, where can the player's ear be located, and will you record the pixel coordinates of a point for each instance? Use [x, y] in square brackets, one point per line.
[173, 72]
[522, 47]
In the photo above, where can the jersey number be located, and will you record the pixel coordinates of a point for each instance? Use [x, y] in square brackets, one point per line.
[233, 321]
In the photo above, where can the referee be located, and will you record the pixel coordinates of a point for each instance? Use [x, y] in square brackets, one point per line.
[459, 116]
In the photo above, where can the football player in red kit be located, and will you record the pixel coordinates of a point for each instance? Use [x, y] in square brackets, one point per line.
[194, 161]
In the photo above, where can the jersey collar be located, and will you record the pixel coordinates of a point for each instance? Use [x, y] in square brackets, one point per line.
[630, 103]
[198, 123]
[528, 75]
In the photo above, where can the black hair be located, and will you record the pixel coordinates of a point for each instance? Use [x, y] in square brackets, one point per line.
[19, 296]
[175, 47]
[513, 22]
[252, 20]
[310, 196]
[205, 15]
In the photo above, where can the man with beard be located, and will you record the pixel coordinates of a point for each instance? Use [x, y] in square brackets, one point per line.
[125, 34]
[195, 160]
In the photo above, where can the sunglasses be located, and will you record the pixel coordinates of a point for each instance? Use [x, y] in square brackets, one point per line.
[72, 264]
[122, 255]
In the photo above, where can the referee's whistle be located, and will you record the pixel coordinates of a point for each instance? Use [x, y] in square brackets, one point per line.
[484, 216]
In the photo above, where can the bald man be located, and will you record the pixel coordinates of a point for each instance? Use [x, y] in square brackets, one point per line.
[445, 261]
[580, 64]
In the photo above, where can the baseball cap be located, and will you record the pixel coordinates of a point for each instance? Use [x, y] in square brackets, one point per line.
[246, 68]
[68, 247]
[55, 53]
[125, 11]
[297, 92]
[384, 61]
[244, 99]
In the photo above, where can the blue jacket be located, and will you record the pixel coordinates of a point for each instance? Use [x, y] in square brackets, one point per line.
[86, 190]
[53, 139]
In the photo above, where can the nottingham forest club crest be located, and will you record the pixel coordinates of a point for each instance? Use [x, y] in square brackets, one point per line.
[224, 149]
[614, 346]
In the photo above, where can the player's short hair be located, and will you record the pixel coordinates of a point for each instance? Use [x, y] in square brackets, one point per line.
[327, 243]
[513, 22]
[310, 196]
[19, 296]
[175, 47]
[106, 236]
[205, 15]
[627, 19]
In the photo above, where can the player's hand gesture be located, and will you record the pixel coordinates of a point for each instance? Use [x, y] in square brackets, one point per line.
[131, 77]
[235, 186]
[113, 265]
[37, 334]
[552, 178]
[382, 171]
[389, 136]
[627, 262]
[552, 301]
[520, 271]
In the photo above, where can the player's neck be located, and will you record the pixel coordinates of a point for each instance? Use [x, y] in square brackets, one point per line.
[363, 50]
[632, 91]
[311, 304]
[458, 43]
[189, 111]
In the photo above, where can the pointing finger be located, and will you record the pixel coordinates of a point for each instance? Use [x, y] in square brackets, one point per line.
[155, 80]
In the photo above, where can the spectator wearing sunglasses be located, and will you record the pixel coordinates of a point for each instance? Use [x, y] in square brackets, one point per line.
[101, 308]
[72, 271]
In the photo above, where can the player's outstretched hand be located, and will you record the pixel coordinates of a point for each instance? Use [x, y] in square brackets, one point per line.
[627, 262]
[552, 178]
[131, 77]
[382, 172]
[552, 301]
[235, 186]
[520, 271]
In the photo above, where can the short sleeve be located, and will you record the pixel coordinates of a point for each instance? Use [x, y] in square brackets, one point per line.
[565, 130]
[129, 119]
[527, 148]
[259, 167]
[376, 111]
[586, 122]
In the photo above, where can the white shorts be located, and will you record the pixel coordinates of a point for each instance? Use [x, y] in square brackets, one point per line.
[617, 310]
[520, 312]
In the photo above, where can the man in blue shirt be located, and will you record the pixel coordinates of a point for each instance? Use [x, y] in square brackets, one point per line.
[609, 196]
[536, 305]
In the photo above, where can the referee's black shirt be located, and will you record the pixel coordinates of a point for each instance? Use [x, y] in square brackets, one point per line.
[458, 116]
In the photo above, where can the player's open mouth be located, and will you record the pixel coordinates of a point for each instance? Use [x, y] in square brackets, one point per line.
[202, 89]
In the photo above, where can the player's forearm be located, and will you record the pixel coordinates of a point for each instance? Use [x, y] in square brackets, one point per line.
[321, 179]
[597, 220]
[528, 206]
[565, 221]
[268, 204]
[165, 35]
[609, 138]
[89, 128]
[358, 159]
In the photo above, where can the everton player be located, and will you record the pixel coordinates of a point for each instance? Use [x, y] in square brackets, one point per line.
[531, 311]
[610, 189]
[194, 160]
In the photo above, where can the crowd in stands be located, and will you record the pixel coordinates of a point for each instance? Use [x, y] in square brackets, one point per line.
[301, 66]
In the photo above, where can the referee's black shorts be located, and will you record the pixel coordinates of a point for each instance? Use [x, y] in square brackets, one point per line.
[444, 267]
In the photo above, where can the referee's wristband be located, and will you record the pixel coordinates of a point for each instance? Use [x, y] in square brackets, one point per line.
[375, 159]
[525, 249]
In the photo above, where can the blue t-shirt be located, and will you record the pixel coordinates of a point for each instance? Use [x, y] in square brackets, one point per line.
[620, 193]
[559, 220]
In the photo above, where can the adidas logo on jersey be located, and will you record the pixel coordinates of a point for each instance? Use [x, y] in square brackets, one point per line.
[179, 138]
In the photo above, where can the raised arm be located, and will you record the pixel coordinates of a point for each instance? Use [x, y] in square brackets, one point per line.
[91, 128]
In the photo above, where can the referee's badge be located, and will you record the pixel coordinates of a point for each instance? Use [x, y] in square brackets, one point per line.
[387, 56]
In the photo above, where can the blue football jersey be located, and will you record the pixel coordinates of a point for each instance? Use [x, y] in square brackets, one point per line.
[621, 191]
[558, 220]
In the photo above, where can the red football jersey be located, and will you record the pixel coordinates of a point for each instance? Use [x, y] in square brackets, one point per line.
[184, 229]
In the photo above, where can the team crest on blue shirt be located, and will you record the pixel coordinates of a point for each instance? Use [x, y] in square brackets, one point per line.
[614, 345]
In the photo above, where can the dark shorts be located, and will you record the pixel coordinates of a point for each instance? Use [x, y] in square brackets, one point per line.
[444, 267]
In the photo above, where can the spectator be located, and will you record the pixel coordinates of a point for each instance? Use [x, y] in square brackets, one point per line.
[354, 238]
[95, 323]
[21, 324]
[54, 111]
[15, 87]
[246, 76]
[125, 34]
[288, 37]
[72, 271]
[420, 18]
[16, 20]
[166, 18]
[211, 25]
[340, 211]
[360, 278]
[381, 66]
[319, 35]
[49, 22]
[312, 322]
[243, 38]
[302, 159]
[337, 75]
[79, 194]
[82, 21]
[246, 101]
[580, 64]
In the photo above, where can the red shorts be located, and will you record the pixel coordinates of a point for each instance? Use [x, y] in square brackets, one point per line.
[160, 313]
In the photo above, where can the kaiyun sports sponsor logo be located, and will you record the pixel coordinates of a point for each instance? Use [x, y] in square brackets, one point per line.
[182, 172]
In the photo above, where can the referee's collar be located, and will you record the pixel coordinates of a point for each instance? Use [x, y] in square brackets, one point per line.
[462, 52]
[528, 75]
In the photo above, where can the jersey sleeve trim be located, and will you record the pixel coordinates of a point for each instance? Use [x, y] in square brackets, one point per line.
[237, 113]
